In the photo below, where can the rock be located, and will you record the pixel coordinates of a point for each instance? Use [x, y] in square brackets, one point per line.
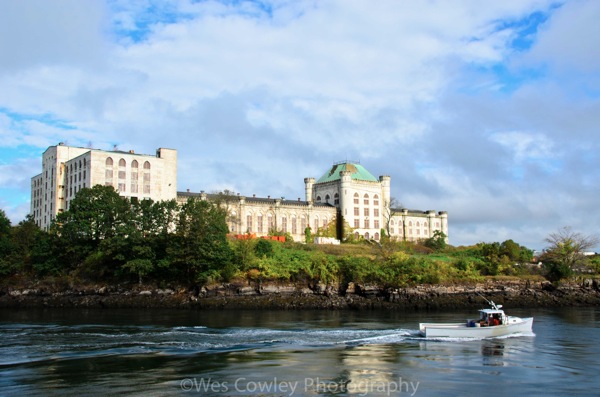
[145, 293]
[351, 288]
[548, 286]
[245, 291]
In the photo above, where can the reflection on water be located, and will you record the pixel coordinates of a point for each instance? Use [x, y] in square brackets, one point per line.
[72, 352]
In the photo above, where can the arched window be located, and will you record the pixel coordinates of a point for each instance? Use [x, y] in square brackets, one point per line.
[249, 223]
[356, 198]
[259, 223]
[147, 177]
[376, 201]
[356, 235]
[327, 199]
[366, 197]
[367, 235]
[122, 163]
[318, 199]
[376, 236]
[108, 173]
[134, 176]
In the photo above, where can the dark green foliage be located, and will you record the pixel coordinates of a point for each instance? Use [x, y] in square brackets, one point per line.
[264, 248]
[200, 244]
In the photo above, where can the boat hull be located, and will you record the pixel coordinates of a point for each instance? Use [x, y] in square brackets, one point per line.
[461, 330]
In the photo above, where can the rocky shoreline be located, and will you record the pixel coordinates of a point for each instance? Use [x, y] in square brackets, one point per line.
[512, 293]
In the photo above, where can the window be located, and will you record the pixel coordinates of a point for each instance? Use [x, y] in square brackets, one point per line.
[367, 224]
[284, 224]
[318, 199]
[248, 223]
[324, 222]
[294, 226]
[356, 198]
[376, 236]
[336, 199]
[356, 211]
[366, 211]
[270, 224]
[147, 165]
[259, 223]
[367, 235]
[122, 163]
[376, 225]
[327, 199]
[316, 225]
[303, 223]
[376, 212]
[357, 223]
[108, 173]
[376, 200]
[366, 197]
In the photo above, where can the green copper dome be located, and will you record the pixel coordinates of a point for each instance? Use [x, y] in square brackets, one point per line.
[358, 173]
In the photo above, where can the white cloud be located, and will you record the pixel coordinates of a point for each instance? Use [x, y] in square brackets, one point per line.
[258, 95]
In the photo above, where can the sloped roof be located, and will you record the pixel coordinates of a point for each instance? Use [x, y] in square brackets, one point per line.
[358, 173]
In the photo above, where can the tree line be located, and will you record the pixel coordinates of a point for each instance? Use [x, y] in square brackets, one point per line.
[104, 237]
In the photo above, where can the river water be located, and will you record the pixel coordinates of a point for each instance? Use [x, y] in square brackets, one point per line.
[74, 352]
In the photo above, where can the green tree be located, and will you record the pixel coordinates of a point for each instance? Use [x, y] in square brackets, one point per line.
[6, 246]
[437, 242]
[92, 230]
[200, 243]
[566, 253]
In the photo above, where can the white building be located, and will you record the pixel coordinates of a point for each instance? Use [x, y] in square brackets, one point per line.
[347, 194]
[68, 169]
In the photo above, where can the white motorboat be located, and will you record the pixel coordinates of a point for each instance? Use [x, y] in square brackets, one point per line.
[491, 323]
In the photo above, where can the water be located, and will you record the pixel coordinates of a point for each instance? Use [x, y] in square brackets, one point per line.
[289, 353]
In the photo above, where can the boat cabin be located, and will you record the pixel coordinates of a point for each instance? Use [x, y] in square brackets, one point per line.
[489, 318]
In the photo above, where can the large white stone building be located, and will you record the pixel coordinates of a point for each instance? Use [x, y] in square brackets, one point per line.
[347, 194]
[68, 169]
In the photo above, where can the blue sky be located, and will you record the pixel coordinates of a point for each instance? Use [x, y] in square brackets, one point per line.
[487, 110]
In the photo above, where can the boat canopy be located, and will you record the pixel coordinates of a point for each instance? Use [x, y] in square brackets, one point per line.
[491, 311]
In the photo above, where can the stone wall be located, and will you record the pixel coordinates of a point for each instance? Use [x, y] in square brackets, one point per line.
[318, 296]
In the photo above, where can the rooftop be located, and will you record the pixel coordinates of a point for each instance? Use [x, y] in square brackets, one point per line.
[359, 173]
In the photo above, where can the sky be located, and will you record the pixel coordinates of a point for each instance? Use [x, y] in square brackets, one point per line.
[488, 110]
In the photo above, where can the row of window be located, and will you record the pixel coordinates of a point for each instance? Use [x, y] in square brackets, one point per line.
[122, 163]
[292, 227]
[336, 199]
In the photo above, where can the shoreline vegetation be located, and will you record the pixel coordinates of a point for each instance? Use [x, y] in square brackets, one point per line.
[108, 251]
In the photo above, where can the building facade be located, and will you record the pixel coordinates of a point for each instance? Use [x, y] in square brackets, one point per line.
[347, 194]
[68, 169]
